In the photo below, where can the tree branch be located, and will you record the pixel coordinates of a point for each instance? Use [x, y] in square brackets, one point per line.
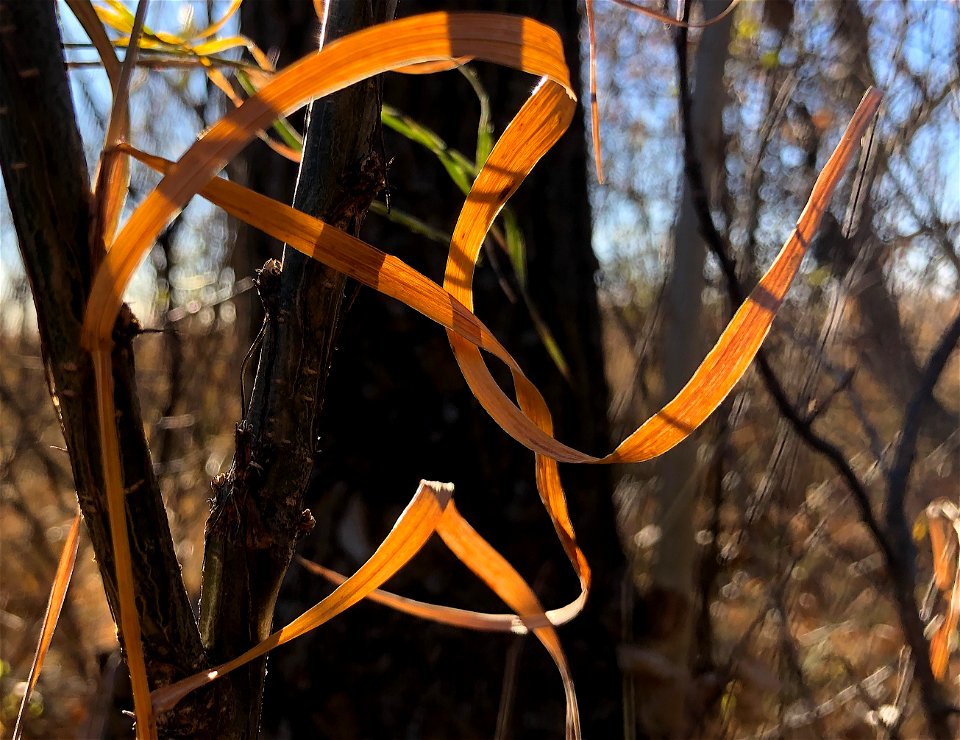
[258, 515]
[43, 166]
[890, 542]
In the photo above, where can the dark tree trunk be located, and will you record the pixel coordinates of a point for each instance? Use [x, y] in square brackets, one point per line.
[398, 410]
[258, 513]
[46, 179]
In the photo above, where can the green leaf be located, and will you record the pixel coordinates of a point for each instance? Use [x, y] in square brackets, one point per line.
[411, 223]
[460, 169]
[287, 133]
[516, 246]
[485, 124]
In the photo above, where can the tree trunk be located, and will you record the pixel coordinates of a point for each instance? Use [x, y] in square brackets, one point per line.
[258, 513]
[669, 600]
[45, 174]
[398, 411]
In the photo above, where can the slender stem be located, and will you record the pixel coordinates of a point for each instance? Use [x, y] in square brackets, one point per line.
[259, 516]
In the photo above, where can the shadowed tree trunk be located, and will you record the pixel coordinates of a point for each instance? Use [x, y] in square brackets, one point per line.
[46, 178]
[258, 513]
[398, 410]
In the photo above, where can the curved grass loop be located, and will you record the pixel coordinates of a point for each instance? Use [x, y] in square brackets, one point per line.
[419, 44]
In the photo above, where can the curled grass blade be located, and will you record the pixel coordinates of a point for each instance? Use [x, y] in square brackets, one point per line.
[415, 526]
[541, 121]
[507, 40]
[531, 424]
[491, 567]
[58, 594]
[113, 175]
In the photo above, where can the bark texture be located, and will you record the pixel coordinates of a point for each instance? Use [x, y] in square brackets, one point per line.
[47, 186]
[258, 514]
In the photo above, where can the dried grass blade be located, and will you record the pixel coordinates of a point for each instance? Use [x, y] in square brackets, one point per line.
[58, 594]
[394, 278]
[429, 68]
[452, 616]
[594, 100]
[535, 129]
[415, 526]
[220, 22]
[491, 567]
[113, 175]
[940, 647]
[113, 170]
[738, 344]
[508, 40]
[129, 622]
[84, 12]
[940, 545]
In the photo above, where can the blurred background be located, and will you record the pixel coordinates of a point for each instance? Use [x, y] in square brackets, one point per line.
[737, 591]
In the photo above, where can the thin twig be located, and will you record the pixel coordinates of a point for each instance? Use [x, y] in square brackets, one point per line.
[899, 565]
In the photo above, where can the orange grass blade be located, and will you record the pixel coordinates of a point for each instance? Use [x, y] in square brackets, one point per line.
[113, 175]
[944, 529]
[58, 594]
[113, 171]
[940, 648]
[594, 101]
[490, 566]
[539, 124]
[739, 343]
[508, 40]
[429, 68]
[452, 616]
[129, 622]
[415, 526]
[722, 367]
[940, 544]
[522, 144]
[392, 277]
[221, 22]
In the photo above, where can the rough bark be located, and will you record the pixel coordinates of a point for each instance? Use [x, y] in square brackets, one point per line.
[47, 185]
[398, 410]
[258, 513]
